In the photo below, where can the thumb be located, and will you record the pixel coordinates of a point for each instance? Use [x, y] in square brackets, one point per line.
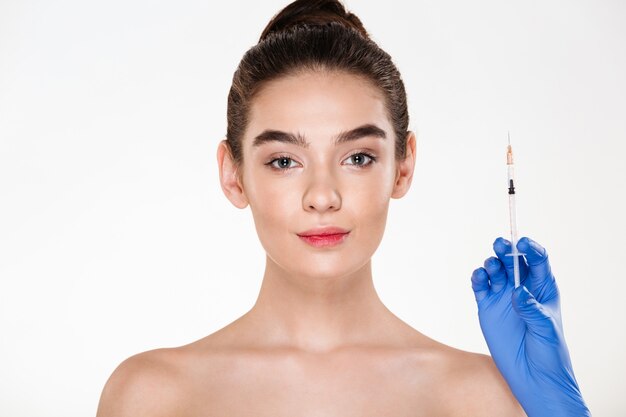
[538, 319]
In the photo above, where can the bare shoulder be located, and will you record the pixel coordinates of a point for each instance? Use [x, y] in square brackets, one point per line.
[147, 384]
[168, 381]
[479, 389]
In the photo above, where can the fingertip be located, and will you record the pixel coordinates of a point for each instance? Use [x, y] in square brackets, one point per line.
[533, 250]
[523, 244]
[480, 283]
[479, 277]
[479, 272]
[518, 298]
[522, 295]
[501, 245]
[519, 290]
[492, 264]
[500, 240]
[536, 317]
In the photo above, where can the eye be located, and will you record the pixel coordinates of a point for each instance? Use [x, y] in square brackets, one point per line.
[284, 161]
[372, 158]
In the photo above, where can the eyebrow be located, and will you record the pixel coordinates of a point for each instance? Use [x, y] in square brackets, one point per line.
[299, 140]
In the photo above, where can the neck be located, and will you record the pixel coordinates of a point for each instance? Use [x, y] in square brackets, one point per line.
[320, 313]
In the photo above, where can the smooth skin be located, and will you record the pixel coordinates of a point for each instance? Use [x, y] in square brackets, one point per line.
[318, 341]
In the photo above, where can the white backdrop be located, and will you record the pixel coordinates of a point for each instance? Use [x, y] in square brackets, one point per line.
[115, 236]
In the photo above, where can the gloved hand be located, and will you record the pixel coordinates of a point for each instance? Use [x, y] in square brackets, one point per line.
[523, 330]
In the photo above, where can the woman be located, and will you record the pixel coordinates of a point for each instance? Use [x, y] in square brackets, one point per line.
[317, 144]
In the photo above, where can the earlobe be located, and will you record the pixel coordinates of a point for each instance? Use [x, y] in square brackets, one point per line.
[229, 177]
[405, 168]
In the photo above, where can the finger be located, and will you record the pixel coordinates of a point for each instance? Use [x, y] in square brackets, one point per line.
[537, 318]
[497, 273]
[538, 264]
[480, 284]
[502, 247]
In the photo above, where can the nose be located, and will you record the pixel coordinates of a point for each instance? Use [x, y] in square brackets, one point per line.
[321, 195]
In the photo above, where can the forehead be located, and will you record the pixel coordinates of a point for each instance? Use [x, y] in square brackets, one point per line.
[317, 104]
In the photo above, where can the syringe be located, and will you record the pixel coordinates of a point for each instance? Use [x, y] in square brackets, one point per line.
[514, 252]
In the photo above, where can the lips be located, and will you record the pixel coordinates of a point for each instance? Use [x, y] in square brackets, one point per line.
[324, 237]
[324, 231]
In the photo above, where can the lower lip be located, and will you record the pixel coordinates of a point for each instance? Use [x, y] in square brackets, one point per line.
[322, 241]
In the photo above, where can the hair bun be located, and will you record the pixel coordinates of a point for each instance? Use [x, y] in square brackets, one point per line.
[312, 12]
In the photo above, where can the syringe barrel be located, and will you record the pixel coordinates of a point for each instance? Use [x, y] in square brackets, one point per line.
[512, 218]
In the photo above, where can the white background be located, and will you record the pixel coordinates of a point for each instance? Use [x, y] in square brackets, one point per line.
[115, 236]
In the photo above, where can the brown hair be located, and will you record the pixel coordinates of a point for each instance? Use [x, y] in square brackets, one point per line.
[314, 35]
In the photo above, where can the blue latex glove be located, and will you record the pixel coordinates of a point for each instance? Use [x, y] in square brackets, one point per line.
[523, 330]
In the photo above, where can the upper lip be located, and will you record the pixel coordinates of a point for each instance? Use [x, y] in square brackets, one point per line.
[321, 231]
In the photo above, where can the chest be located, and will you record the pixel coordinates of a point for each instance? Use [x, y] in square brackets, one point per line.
[366, 386]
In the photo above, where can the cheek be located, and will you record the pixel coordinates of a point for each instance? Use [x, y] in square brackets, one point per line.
[380, 199]
[272, 205]
[373, 218]
[276, 205]
[371, 198]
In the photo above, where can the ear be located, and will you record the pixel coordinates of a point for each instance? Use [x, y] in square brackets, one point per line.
[405, 168]
[229, 177]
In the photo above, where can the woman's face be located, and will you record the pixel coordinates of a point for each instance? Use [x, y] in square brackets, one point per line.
[292, 188]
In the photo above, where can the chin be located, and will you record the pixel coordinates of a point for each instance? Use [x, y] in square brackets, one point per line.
[321, 266]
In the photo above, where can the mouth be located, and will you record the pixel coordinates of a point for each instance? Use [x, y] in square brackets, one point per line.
[324, 231]
[327, 237]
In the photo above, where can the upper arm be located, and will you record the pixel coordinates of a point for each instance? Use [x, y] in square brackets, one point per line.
[142, 385]
[483, 391]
